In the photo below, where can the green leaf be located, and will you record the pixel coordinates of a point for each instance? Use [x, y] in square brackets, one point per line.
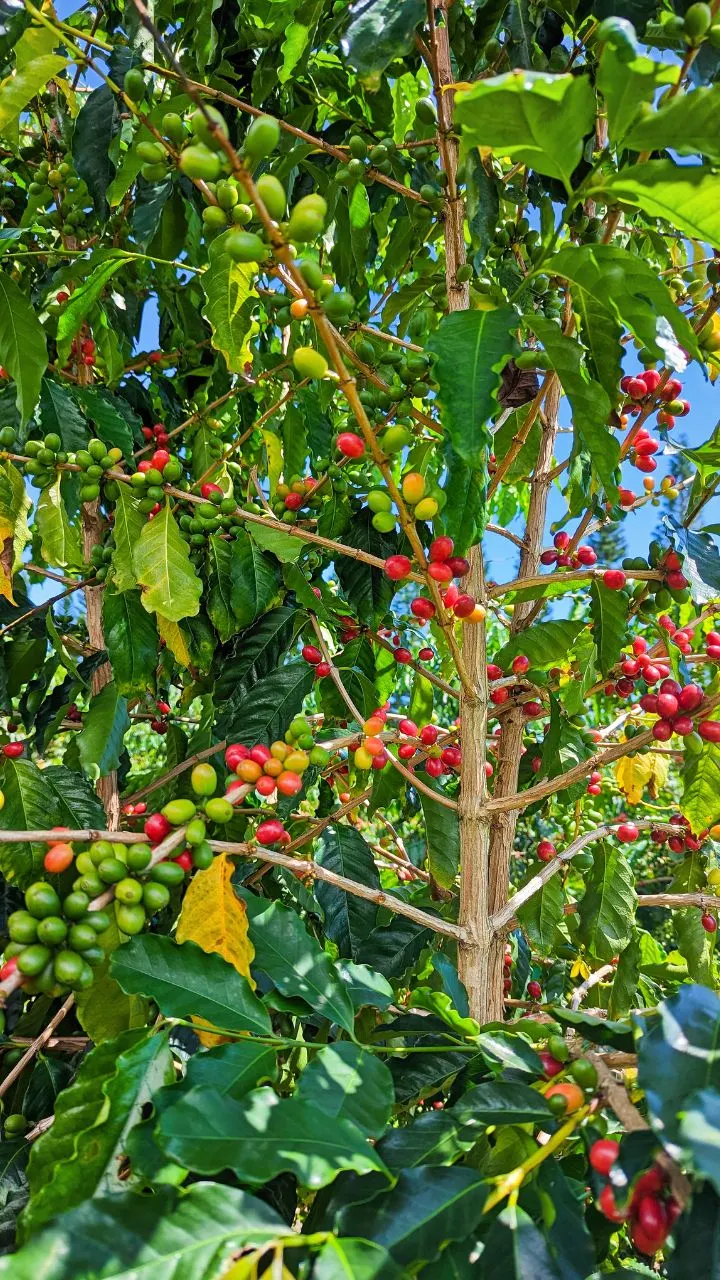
[350, 1259]
[23, 351]
[261, 1137]
[95, 128]
[391, 949]
[59, 413]
[346, 1082]
[258, 652]
[543, 643]
[100, 741]
[368, 589]
[463, 519]
[297, 965]
[516, 1249]
[607, 908]
[685, 125]
[424, 1210]
[472, 348]
[83, 299]
[623, 995]
[442, 831]
[170, 1235]
[432, 1138]
[626, 86]
[380, 31]
[263, 710]
[254, 580]
[694, 943]
[503, 440]
[687, 196]
[220, 560]
[348, 920]
[497, 1102]
[36, 799]
[111, 417]
[701, 796]
[590, 404]
[60, 539]
[131, 640]
[536, 119]
[229, 298]
[697, 1235]
[79, 1154]
[359, 211]
[230, 1069]
[677, 1054]
[613, 289]
[364, 985]
[700, 1133]
[129, 524]
[615, 1035]
[541, 915]
[17, 89]
[282, 545]
[608, 610]
[165, 572]
[185, 981]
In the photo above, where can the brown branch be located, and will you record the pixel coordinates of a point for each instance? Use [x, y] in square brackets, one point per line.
[15, 1072]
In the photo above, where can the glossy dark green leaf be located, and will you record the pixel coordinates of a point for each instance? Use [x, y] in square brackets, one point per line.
[472, 348]
[442, 832]
[347, 1082]
[499, 1103]
[95, 129]
[297, 965]
[391, 949]
[608, 610]
[432, 1138]
[261, 1137]
[350, 1259]
[364, 985]
[693, 942]
[424, 1210]
[254, 580]
[626, 85]
[59, 413]
[348, 920]
[368, 589]
[380, 31]
[686, 195]
[515, 1250]
[590, 403]
[79, 1153]
[131, 640]
[100, 741]
[257, 652]
[185, 981]
[542, 643]
[23, 350]
[262, 712]
[615, 1035]
[607, 909]
[541, 915]
[231, 1069]
[150, 201]
[110, 416]
[171, 1235]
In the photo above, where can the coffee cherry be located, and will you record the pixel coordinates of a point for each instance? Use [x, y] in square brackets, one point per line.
[708, 922]
[627, 832]
[546, 850]
[534, 990]
[421, 607]
[603, 1155]
[614, 579]
[440, 549]
[709, 730]
[608, 1207]
[520, 664]
[311, 655]
[397, 568]
[350, 444]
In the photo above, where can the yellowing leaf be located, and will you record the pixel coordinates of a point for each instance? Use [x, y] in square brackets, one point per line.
[580, 969]
[634, 773]
[215, 919]
[174, 639]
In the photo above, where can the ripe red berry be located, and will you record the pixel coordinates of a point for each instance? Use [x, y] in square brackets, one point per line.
[708, 922]
[8, 968]
[551, 1066]
[184, 860]
[546, 850]
[426, 654]
[603, 1155]
[322, 670]
[421, 607]
[651, 674]
[156, 827]
[160, 459]
[520, 664]
[402, 655]
[293, 501]
[406, 750]
[662, 730]
[608, 1207]
[614, 579]
[531, 709]
[409, 728]
[459, 565]
[440, 548]
[350, 444]
[397, 568]
[627, 832]
[270, 832]
[451, 756]
[434, 767]
[499, 696]
[311, 654]
[464, 606]
[683, 725]
[494, 672]
[440, 571]
[429, 735]
[13, 749]
[690, 697]
[155, 357]
[636, 388]
[709, 730]
[561, 541]
[549, 557]
[672, 389]
[534, 990]
[62, 296]
[586, 555]
[651, 378]
[208, 489]
[667, 705]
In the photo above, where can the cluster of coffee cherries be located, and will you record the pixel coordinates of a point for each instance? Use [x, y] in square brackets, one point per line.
[558, 554]
[426, 500]
[501, 694]
[638, 388]
[443, 566]
[43, 456]
[94, 462]
[152, 473]
[682, 637]
[651, 1209]
[572, 1081]
[674, 705]
[56, 181]
[216, 513]
[54, 943]
[292, 496]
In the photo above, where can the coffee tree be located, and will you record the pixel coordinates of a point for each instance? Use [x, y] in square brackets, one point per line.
[358, 906]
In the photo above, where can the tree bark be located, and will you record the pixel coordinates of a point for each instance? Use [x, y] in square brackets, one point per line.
[92, 527]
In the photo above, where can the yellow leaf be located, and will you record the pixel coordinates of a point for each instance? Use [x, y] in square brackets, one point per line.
[580, 969]
[174, 639]
[634, 773]
[215, 919]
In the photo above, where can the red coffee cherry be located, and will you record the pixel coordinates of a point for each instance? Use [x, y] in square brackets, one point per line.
[350, 444]
[603, 1155]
